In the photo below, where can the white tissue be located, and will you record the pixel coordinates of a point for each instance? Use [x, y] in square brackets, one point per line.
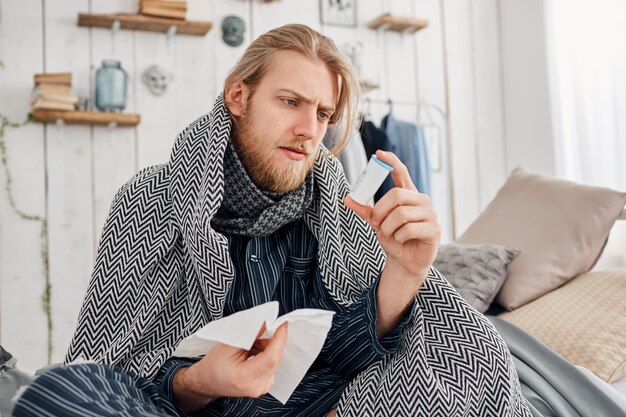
[307, 332]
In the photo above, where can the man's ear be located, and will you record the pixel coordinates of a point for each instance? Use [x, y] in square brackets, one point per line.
[236, 97]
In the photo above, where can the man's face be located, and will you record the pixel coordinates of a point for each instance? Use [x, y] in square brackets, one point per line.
[281, 126]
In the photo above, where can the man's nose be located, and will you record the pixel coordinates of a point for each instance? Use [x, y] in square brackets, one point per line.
[306, 127]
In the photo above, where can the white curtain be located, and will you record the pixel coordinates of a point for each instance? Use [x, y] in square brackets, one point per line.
[587, 59]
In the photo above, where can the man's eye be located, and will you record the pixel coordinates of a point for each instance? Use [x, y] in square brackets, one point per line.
[290, 101]
[323, 115]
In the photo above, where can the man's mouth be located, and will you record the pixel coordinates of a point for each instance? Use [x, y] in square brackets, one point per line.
[294, 153]
[295, 149]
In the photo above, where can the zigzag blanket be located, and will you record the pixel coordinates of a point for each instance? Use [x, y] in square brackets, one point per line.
[161, 273]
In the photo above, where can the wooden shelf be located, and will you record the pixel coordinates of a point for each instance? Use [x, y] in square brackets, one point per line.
[142, 22]
[397, 23]
[85, 117]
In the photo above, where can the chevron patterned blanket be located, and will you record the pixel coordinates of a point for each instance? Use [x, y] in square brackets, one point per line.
[161, 273]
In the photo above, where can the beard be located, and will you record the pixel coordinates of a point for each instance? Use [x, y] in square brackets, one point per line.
[256, 151]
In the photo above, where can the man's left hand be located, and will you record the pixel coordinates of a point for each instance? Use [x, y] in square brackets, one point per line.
[404, 221]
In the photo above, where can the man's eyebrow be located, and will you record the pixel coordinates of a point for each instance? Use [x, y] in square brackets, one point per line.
[306, 99]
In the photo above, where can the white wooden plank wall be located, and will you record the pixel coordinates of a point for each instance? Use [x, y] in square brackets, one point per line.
[491, 158]
[461, 109]
[475, 110]
[68, 175]
[22, 280]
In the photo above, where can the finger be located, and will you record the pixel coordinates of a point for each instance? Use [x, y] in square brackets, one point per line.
[364, 212]
[276, 345]
[425, 232]
[397, 197]
[278, 341]
[259, 346]
[400, 174]
[405, 215]
[268, 360]
[261, 331]
[222, 350]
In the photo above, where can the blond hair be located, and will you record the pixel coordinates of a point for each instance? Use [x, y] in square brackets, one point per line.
[254, 63]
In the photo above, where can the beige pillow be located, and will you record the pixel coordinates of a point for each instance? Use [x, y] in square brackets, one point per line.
[559, 226]
[584, 321]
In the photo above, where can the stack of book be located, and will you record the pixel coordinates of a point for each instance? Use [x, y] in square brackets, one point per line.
[172, 9]
[54, 91]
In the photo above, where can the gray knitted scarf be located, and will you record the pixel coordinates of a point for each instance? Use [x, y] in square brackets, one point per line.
[247, 210]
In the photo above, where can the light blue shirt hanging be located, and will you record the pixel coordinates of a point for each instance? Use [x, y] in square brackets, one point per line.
[410, 146]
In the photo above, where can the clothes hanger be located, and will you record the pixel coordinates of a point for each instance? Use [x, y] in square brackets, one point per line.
[433, 131]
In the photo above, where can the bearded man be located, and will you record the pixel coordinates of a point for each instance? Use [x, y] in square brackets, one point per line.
[252, 208]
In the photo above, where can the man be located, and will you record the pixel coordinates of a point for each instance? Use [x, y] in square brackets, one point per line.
[251, 208]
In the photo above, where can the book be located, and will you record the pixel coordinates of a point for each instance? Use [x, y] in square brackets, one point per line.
[163, 8]
[43, 88]
[52, 105]
[162, 12]
[54, 78]
[163, 4]
[307, 332]
[55, 98]
[168, 1]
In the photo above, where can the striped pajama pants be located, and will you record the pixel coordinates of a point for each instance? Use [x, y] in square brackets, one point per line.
[104, 390]
[92, 390]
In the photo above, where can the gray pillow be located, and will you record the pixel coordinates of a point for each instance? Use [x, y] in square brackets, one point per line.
[477, 272]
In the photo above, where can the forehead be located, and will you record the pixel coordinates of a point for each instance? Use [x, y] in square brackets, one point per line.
[291, 70]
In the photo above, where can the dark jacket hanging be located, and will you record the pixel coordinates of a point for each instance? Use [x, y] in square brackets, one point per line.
[373, 140]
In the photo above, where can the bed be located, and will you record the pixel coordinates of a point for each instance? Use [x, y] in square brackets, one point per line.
[527, 263]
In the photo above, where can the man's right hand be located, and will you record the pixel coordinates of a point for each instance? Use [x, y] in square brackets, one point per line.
[226, 371]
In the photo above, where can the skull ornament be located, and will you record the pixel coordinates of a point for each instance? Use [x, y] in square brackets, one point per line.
[233, 28]
[157, 79]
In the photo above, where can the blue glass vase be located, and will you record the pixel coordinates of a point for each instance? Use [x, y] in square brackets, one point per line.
[111, 82]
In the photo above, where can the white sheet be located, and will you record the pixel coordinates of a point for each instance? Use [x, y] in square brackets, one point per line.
[618, 395]
[620, 386]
